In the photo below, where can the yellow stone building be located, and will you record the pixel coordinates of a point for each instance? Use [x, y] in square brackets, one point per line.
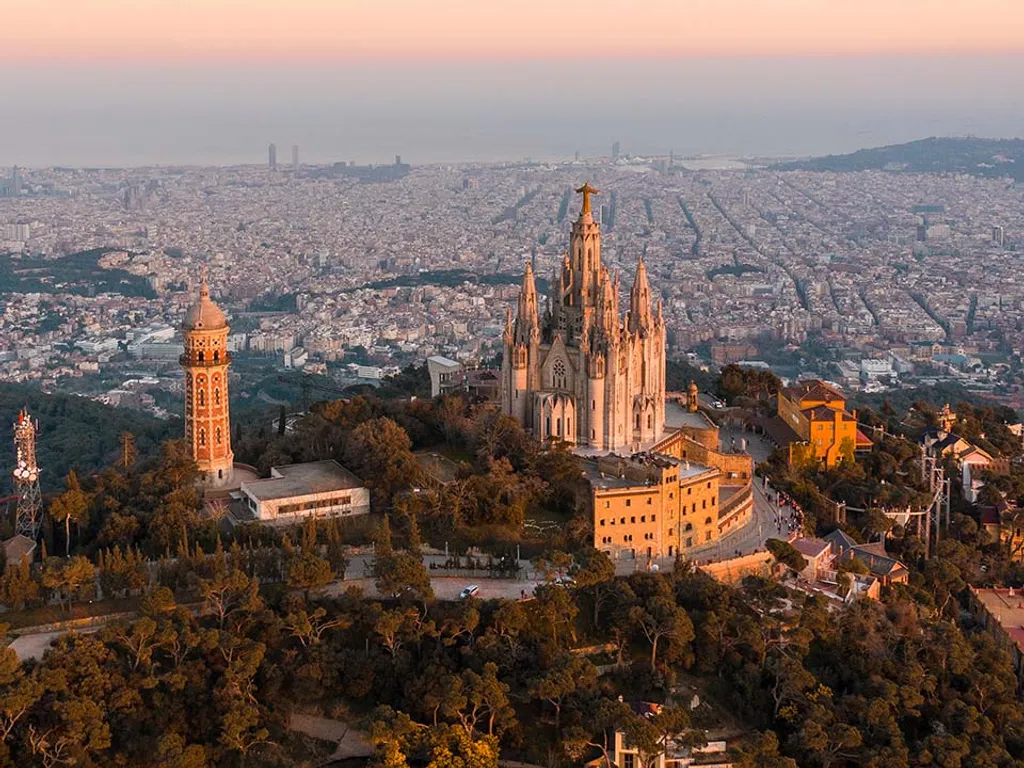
[650, 505]
[812, 417]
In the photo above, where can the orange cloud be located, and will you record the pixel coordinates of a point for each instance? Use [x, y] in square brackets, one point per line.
[46, 29]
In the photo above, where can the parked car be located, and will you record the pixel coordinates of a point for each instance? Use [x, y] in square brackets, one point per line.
[469, 591]
[565, 581]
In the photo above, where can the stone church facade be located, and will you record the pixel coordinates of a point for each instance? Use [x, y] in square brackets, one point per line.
[578, 371]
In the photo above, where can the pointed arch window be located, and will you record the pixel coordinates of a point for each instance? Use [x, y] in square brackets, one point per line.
[201, 396]
[202, 436]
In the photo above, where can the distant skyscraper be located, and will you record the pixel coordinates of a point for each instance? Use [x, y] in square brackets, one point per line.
[272, 157]
[295, 157]
[16, 181]
[134, 197]
[997, 236]
[398, 159]
[615, 151]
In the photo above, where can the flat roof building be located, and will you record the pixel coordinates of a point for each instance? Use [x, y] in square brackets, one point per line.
[1001, 613]
[443, 374]
[297, 491]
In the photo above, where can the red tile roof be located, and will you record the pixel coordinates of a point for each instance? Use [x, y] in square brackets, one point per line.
[811, 547]
[813, 389]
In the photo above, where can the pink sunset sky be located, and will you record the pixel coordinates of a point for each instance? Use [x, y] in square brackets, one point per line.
[302, 29]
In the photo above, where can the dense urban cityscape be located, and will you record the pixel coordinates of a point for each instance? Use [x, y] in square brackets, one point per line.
[889, 275]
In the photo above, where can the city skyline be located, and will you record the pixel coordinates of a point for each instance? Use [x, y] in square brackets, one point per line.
[436, 111]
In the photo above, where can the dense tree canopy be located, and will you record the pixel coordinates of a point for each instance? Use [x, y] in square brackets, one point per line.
[234, 631]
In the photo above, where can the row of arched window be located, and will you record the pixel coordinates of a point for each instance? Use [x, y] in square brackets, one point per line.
[201, 397]
[218, 436]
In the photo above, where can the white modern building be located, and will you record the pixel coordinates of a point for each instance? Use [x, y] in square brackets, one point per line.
[873, 369]
[297, 491]
[443, 374]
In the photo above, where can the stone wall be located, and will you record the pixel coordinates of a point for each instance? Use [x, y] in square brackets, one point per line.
[733, 466]
[736, 511]
[734, 570]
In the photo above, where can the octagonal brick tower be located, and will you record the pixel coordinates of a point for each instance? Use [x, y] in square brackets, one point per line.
[205, 361]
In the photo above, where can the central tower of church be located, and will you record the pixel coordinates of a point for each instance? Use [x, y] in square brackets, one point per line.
[580, 372]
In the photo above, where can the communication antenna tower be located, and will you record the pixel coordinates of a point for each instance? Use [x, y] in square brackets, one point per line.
[26, 477]
[938, 508]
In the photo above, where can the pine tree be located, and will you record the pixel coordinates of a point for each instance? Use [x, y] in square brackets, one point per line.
[384, 546]
[128, 450]
[415, 540]
[309, 534]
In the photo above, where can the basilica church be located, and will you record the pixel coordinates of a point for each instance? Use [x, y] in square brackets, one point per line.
[576, 370]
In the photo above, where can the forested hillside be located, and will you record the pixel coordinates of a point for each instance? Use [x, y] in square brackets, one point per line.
[996, 158]
[75, 432]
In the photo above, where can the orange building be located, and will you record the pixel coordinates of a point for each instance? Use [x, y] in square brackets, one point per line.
[812, 415]
[207, 417]
[650, 505]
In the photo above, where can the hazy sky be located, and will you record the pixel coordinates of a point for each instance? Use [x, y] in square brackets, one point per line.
[564, 28]
[138, 82]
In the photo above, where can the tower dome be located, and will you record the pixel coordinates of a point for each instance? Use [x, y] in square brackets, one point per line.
[204, 315]
[693, 397]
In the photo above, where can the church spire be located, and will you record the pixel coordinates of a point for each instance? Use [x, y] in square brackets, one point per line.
[529, 292]
[528, 321]
[507, 336]
[640, 300]
[609, 304]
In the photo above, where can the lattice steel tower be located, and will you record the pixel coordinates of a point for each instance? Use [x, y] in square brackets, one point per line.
[26, 477]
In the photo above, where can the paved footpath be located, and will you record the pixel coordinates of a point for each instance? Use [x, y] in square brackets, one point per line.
[33, 646]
